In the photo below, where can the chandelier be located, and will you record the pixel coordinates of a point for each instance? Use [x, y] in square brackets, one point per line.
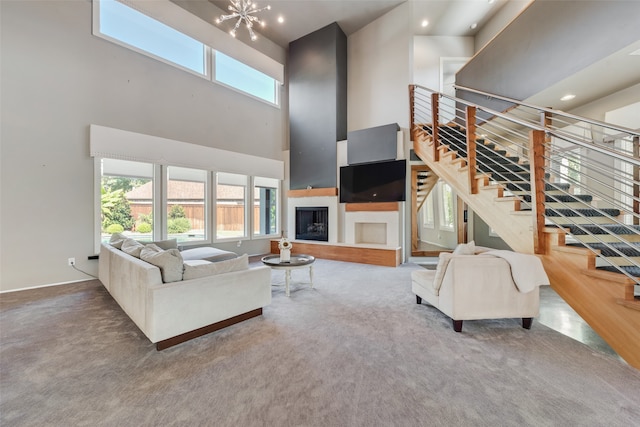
[244, 11]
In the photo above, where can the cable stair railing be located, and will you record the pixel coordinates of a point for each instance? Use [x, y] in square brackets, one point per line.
[571, 187]
[612, 183]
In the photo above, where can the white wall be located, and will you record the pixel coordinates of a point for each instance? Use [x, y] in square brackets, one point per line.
[427, 51]
[56, 80]
[627, 116]
[619, 100]
[379, 72]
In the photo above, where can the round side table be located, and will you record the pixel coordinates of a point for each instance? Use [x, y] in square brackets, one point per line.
[295, 262]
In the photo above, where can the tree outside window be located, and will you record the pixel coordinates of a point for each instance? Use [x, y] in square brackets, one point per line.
[120, 212]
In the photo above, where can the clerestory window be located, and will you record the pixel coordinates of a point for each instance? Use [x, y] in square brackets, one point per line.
[131, 28]
[240, 76]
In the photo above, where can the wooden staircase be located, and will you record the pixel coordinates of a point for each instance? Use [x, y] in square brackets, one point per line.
[604, 299]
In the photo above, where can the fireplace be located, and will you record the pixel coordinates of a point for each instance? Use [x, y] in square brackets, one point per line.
[312, 223]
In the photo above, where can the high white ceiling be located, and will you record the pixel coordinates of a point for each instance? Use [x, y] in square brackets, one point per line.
[301, 17]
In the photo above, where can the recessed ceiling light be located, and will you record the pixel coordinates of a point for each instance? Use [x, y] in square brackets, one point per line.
[280, 19]
[567, 97]
[474, 25]
[424, 23]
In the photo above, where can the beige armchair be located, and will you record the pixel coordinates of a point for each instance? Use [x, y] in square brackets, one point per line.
[482, 286]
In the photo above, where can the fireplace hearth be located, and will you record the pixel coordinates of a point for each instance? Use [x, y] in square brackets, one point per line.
[312, 223]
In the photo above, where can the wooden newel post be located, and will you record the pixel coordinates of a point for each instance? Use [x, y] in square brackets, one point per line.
[471, 149]
[434, 125]
[537, 149]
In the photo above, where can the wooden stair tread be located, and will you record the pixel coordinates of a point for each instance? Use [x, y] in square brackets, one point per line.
[507, 199]
[609, 276]
[633, 304]
[555, 230]
[493, 187]
[573, 250]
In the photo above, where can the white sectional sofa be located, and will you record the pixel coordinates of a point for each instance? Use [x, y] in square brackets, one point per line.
[170, 313]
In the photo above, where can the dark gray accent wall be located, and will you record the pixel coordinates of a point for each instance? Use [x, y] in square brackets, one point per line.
[548, 42]
[318, 106]
[372, 144]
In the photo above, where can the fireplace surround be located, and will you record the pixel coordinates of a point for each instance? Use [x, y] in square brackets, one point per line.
[369, 232]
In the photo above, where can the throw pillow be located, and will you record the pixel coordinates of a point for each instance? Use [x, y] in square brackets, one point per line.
[441, 268]
[169, 262]
[117, 240]
[167, 244]
[132, 247]
[465, 249]
[195, 269]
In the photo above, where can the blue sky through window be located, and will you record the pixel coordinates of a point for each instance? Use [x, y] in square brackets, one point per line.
[240, 76]
[136, 29]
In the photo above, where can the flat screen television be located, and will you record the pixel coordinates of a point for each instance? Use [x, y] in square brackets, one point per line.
[373, 182]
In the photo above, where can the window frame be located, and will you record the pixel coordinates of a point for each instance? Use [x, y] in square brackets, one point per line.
[214, 78]
[206, 209]
[442, 225]
[156, 231]
[428, 207]
[96, 30]
[257, 218]
[247, 204]
[159, 205]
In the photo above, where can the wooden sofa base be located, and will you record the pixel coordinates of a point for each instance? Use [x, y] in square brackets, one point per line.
[170, 342]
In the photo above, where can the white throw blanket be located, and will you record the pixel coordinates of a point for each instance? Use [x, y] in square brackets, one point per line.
[526, 270]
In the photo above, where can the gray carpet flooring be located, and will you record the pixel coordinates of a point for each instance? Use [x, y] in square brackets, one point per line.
[355, 351]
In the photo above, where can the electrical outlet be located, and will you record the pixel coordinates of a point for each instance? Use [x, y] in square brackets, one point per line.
[71, 262]
[239, 243]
